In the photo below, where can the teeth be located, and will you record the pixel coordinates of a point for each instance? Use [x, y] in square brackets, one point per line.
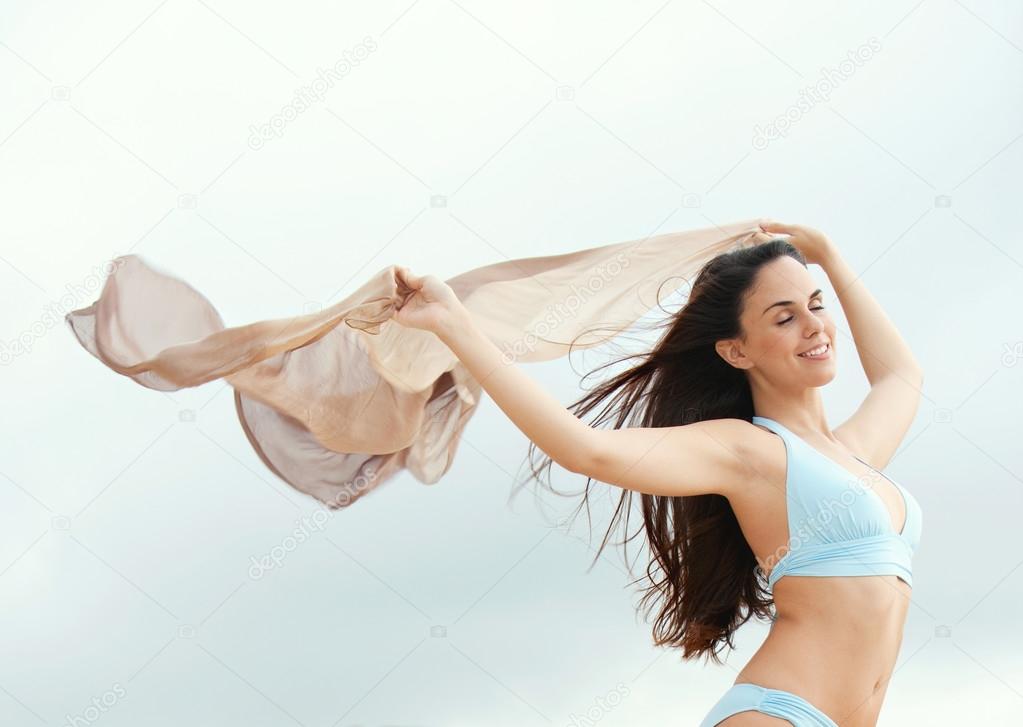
[815, 352]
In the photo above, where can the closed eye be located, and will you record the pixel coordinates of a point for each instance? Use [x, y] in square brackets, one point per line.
[792, 318]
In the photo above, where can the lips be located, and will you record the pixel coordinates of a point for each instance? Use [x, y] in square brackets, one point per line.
[821, 349]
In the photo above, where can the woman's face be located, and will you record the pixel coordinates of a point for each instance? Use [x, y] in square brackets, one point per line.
[785, 316]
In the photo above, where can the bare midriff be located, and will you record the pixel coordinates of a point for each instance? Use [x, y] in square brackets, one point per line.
[834, 643]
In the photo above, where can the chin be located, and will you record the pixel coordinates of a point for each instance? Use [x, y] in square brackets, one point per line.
[823, 378]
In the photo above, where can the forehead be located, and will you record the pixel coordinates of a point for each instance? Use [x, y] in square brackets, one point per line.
[784, 278]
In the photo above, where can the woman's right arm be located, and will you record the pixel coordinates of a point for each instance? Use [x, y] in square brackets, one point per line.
[692, 459]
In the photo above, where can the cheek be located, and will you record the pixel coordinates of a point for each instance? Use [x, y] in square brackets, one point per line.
[780, 342]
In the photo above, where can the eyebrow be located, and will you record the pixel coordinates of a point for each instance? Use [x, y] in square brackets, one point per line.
[813, 295]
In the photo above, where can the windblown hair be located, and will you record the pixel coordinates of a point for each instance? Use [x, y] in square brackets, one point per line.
[703, 577]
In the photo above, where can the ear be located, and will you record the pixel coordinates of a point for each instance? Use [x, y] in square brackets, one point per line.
[731, 350]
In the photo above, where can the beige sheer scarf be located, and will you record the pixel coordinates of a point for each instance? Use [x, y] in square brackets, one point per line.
[336, 410]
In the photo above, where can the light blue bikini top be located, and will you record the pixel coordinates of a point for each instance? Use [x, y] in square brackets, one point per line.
[838, 525]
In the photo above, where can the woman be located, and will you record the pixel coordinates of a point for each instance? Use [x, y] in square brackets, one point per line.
[740, 476]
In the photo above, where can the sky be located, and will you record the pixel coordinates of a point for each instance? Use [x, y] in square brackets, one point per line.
[277, 155]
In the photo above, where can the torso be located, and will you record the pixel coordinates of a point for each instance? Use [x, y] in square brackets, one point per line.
[836, 639]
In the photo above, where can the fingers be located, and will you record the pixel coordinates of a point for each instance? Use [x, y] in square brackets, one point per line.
[774, 226]
[412, 280]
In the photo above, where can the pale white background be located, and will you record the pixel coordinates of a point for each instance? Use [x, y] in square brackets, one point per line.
[125, 591]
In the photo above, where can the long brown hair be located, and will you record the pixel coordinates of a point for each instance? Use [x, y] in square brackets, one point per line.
[703, 576]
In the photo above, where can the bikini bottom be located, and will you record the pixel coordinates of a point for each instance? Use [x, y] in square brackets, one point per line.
[745, 696]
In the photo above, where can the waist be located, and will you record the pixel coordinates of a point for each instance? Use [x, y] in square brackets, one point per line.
[842, 604]
[835, 642]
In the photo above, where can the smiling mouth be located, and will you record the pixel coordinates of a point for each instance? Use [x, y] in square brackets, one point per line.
[817, 353]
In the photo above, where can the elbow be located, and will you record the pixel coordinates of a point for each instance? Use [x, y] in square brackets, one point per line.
[581, 459]
[914, 367]
[575, 462]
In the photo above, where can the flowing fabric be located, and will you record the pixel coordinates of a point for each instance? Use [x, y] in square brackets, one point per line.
[337, 410]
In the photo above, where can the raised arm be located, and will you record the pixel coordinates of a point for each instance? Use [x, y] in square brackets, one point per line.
[697, 458]
[886, 413]
[691, 459]
[881, 421]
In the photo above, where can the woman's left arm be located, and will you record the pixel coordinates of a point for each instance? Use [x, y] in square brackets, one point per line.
[881, 421]
[883, 418]
[881, 348]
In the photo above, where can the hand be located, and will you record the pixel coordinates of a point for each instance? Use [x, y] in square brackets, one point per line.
[430, 303]
[814, 245]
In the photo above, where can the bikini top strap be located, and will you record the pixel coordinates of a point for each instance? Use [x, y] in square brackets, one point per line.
[773, 426]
